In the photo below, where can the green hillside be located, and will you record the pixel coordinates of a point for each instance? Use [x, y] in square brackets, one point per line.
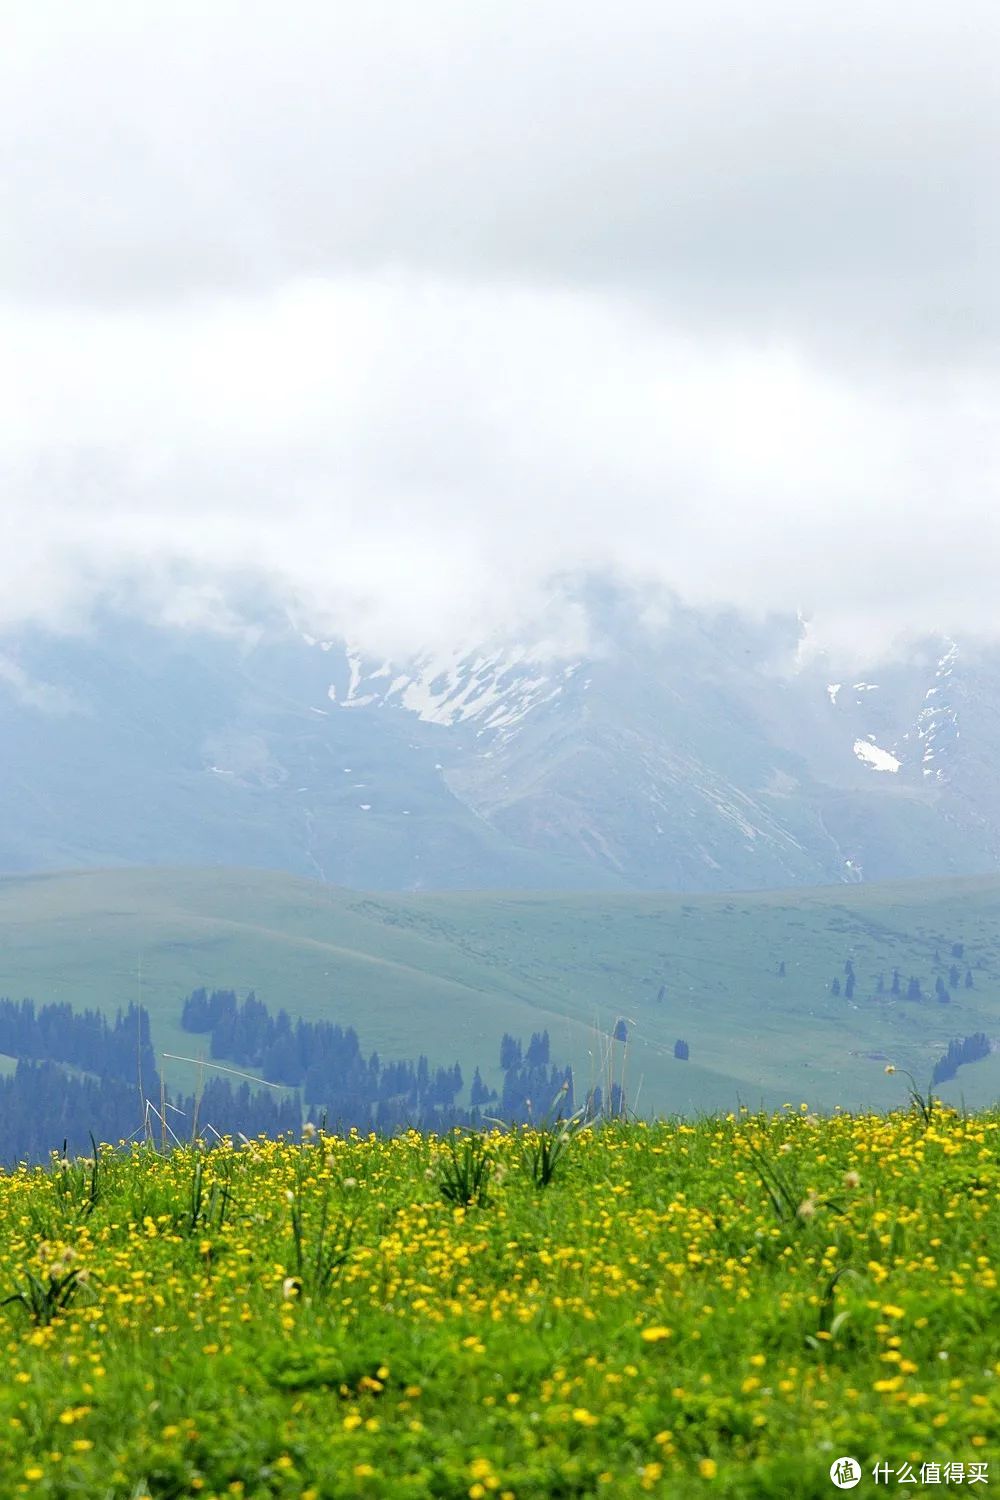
[447, 974]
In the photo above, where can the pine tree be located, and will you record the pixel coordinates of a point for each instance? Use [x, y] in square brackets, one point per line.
[537, 1055]
[510, 1053]
[479, 1093]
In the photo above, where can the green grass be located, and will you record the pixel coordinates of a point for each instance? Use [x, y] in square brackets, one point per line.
[683, 1310]
[447, 974]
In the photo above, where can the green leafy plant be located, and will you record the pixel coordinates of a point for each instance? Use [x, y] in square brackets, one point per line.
[546, 1143]
[830, 1322]
[465, 1175]
[77, 1184]
[44, 1298]
[207, 1210]
[924, 1104]
[790, 1203]
[320, 1248]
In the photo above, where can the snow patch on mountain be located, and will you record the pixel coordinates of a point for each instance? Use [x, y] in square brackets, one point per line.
[494, 689]
[937, 721]
[873, 755]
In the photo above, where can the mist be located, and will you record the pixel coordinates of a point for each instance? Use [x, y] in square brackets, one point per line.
[405, 317]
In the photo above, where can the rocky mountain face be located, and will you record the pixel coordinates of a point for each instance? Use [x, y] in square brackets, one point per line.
[698, 753]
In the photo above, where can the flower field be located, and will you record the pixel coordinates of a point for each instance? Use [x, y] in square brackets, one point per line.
[713, 1308]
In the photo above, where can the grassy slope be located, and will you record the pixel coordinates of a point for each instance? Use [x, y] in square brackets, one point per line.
[447, 974]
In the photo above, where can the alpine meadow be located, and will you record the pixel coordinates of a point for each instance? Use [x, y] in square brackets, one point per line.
[499, 750]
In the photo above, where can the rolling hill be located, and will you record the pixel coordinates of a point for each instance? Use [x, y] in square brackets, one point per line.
[447, 974]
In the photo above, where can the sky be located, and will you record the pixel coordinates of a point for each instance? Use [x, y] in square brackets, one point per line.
[405, 314]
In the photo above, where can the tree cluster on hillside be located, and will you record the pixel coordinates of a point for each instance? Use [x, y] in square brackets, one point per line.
[533, 1086]
[964, 1049]
[237, 1110]
[42, 1107]
[513, 1053]
[83, 1039]
[914, 986]
[345, 1089]
[116, 1092]
[326, 1061]
[78, 1073]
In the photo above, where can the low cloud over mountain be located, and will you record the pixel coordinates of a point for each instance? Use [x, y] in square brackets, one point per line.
[401, 314]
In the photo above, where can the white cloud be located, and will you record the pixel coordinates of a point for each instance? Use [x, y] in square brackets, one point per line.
[774, 164]
[404, 310]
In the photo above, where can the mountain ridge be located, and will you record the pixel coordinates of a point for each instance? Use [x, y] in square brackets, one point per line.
[707, 753]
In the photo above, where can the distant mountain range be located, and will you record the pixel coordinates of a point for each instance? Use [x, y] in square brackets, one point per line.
[701, 753]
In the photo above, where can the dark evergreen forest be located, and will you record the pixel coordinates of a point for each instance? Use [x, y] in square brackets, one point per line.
[79, 1074]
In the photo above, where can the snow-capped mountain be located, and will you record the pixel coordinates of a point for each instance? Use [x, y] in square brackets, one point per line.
[495, 691]
[704, 753]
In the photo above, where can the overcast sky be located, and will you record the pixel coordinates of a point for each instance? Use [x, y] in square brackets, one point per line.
[408, 307]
